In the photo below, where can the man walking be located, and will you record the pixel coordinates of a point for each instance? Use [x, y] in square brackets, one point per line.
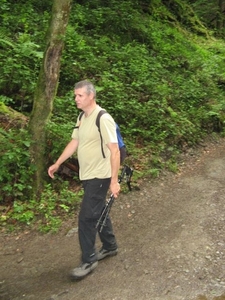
[97, 174]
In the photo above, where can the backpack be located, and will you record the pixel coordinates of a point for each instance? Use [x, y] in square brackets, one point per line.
[121, 144]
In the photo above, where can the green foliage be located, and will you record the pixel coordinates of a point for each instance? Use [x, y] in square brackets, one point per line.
[153, 89]
[157, 70]
[29, 17]
[59, 128]
[22, 31]
[16, 168]
[52, 207]
[19, 70]
[211, 13]
[162, 90]
[47, 214]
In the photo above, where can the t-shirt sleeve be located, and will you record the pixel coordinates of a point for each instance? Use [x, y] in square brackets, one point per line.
[108, 129]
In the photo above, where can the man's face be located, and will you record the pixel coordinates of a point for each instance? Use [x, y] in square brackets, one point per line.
[82, 99]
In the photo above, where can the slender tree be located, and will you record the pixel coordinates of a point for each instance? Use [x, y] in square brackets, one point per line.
[221, 15]
[46, 87]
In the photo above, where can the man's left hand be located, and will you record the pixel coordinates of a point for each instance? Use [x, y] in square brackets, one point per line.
[115, 189]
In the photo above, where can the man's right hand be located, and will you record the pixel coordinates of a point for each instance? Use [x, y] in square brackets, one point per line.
[52, 169]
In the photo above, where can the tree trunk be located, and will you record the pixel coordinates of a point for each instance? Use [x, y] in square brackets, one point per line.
[221, 19]
[46, 88]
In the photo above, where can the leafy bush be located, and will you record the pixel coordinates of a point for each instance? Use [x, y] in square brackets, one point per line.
[16, 168]
[47, 214]
[19, 70]
[164, 85]
[60, 127]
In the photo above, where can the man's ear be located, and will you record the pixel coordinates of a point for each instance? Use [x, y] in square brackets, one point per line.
[92, 96]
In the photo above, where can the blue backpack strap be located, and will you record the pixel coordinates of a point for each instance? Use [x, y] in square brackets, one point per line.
[119, 137]
[97, 122]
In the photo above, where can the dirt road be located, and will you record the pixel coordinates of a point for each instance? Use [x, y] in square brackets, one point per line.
[171, 243]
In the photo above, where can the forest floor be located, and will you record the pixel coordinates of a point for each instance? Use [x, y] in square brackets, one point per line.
[171, 237]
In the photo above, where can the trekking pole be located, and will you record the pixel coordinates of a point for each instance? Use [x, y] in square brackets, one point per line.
[129, 173]
[105, 212]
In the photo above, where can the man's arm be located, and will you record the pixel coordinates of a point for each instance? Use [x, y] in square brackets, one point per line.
[115, 166]
[67, 152]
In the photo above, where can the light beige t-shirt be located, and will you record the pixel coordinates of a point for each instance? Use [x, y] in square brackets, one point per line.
[89, 153]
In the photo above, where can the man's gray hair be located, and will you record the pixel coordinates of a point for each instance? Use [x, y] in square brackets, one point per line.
[88, 86]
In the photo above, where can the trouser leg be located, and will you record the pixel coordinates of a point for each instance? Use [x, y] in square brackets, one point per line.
[95, 191]
[107, 236]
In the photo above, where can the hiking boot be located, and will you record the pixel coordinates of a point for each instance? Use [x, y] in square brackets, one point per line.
[83, 269]
[105, 253]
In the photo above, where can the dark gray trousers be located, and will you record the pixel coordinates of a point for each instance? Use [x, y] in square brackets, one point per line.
[95, 191]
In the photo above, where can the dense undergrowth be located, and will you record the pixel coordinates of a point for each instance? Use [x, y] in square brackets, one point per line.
[158, 70]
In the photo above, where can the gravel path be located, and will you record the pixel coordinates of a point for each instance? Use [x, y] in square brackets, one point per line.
[171, 243]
